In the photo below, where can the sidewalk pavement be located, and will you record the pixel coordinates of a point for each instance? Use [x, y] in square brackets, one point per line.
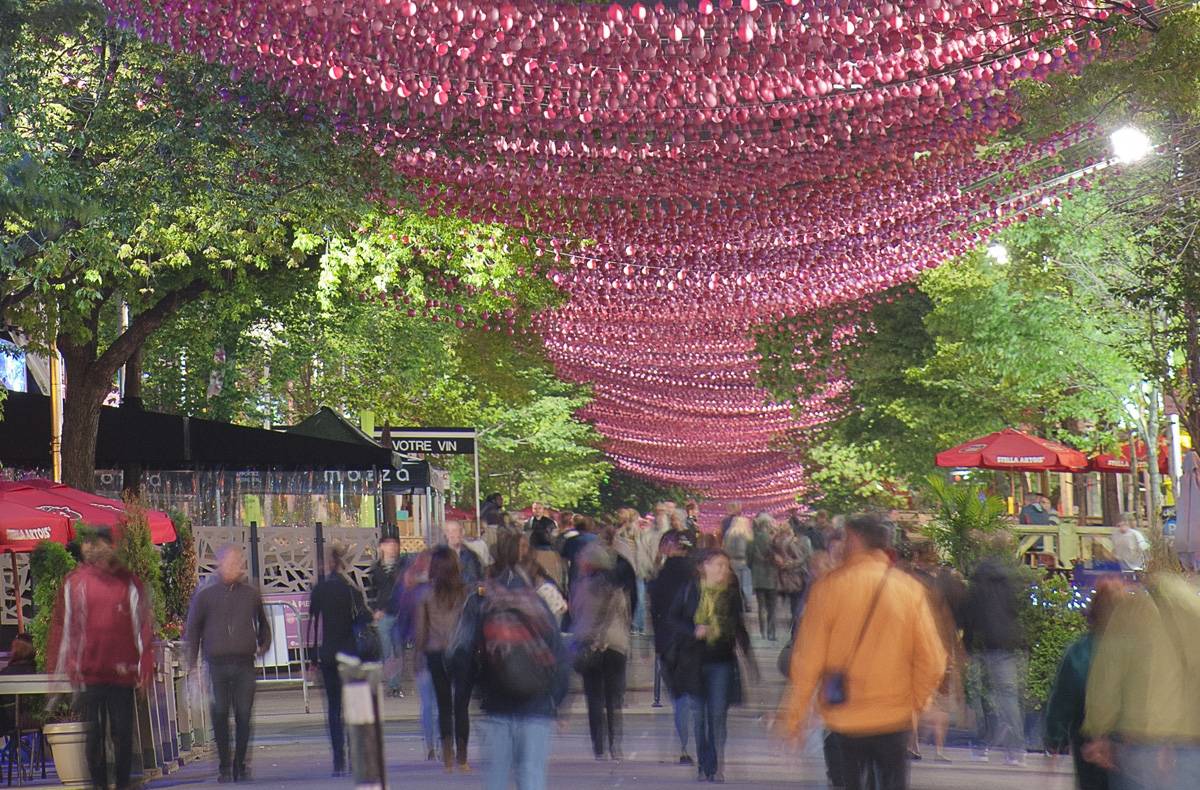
[291, 748]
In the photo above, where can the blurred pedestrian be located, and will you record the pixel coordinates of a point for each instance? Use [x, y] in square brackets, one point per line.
[621, 573]
[764, 573]
[736, 544]
[540, 520]
[22, 660]
[1142, 716]
[335, 608]
[733, 511]
[645, 560]
[1068, 699]
[384, 575]
[709, 630]
[869, 649]
[541, 542]
[1130, 545]
[946, 593]
[409, 595]
[508, 637]
[469, 563]
[437, 618]
[692, 513]
[582, 532]
[993, 636]
[227, 621]
[102, 639]
[674, 575]
[601, 643]
[791, 553]
[548, 589]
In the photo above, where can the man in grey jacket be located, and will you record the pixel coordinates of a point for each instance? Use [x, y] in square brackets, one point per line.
[228, 622]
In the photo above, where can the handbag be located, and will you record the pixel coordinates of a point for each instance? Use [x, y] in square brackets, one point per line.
[367, 644]
[834, 690]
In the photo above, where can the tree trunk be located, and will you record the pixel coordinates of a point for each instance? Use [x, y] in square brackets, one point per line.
[1079, 486]
[1153, 479]
[1110, 503]
[131, 474]
[85, 392]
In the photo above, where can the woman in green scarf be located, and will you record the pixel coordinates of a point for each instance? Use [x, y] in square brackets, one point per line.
[708, 630]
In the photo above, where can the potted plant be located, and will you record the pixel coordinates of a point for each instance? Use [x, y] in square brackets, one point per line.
[964, 514]
[65, 732]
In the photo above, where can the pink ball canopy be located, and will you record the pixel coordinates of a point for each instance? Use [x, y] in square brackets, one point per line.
[689, 172]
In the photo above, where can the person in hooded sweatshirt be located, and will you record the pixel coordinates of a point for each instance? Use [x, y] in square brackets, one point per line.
[674, 575]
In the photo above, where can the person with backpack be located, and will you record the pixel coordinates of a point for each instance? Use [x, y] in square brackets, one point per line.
[790, 553]
[709, 629]
[336, 608]
[508, 639]
[601, 630]
[437, 617]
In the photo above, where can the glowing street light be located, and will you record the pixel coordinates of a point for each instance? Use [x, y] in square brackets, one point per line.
[1130, 144]
[998, 252]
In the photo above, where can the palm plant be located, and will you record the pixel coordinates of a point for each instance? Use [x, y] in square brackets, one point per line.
[964, 513]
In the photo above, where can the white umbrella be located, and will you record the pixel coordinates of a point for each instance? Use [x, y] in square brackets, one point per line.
[1187, 513]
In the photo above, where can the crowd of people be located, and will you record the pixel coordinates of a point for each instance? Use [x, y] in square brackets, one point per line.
[880, 640]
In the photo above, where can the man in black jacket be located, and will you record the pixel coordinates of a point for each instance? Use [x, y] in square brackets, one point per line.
[992, 635]
[228, 622]
[384, 575]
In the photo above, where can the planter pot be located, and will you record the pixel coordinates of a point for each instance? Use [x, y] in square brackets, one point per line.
[68, 747]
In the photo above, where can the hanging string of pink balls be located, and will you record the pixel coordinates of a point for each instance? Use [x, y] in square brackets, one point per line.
[690, 174]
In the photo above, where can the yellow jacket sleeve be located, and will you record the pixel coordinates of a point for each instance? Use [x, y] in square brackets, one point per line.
[1102, 702]
[808, 661]
[929, 655]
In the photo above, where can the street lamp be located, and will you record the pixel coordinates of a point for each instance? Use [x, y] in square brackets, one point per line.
[998, 252]
[1130, 144]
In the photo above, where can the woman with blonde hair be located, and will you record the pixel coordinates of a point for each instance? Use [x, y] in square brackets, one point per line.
[737, 547]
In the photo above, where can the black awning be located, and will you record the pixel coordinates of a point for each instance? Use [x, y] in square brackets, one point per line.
[170, 441]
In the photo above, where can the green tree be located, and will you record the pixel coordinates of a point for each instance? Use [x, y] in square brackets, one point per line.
[48, 567]
[138, 177]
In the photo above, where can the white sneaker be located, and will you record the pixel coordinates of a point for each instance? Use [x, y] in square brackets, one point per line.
[1015, 760]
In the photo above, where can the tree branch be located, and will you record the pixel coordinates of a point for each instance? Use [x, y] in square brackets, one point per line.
[147, 322]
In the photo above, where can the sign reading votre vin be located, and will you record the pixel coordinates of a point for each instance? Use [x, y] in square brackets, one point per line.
[429, 441]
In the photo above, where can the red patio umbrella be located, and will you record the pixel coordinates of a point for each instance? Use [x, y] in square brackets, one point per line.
[21, 529]
[1106, 462]
[1012, 451]
[76, 505]
[457, 514]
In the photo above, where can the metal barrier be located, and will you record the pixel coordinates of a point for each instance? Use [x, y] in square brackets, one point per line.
[284, 660]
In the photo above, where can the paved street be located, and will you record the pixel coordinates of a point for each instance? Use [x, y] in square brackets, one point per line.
[291, 750]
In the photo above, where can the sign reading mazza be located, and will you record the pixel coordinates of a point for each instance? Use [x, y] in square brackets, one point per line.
[428, 441]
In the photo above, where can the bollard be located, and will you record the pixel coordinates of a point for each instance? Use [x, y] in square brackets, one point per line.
[361, 714]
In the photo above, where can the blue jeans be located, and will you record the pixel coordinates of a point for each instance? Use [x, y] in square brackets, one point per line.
[639, 614]
[393, 651]
[683, 719]
[1001, 678]
[516, 747]
[429, 717]
[1156, 767]
[712, 710]
[745, 582]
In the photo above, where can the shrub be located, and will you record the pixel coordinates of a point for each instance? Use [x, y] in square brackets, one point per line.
[1051, 619]
[48, 566]
[179, 576]
[136, 551]
[964, 513]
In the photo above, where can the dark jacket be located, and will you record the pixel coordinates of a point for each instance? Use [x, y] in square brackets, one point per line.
[990, 620]
[675, 574]
[335, 607]
[764, 572]
[383, 580]
[622, 575]
[462, 657]
[1064, 712]
[228, 622]
[686, 655]
[469, 565]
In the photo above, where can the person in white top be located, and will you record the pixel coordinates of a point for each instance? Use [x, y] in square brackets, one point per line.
[1129, 546]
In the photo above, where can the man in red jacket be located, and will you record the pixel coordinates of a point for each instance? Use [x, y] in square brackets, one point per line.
[102, 639]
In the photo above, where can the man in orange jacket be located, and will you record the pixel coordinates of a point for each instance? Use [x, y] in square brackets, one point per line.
[869, 649]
